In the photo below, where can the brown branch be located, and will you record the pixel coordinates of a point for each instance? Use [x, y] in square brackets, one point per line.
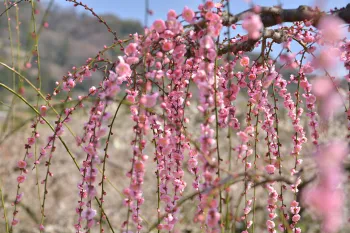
[277, 35]
[344, 13]
[100, 19]
[271, 16]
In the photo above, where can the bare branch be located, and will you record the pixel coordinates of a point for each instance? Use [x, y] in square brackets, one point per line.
[12, 5]
[271, 16]
[277, 35]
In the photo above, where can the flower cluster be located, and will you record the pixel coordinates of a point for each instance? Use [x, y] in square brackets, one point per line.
[183, 64]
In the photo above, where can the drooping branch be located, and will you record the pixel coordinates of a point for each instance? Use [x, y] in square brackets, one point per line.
[228, 181]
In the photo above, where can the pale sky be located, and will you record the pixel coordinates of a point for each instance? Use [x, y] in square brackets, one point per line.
[135, 9]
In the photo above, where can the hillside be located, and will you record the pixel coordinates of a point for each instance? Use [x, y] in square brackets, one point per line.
[68, 39]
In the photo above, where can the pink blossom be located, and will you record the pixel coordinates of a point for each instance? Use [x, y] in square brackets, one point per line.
[139, 166]
[163, 141]
[245, 61]
[209, 4]
[19, 197]
[294, 203]
[188, 14]
[213, 218]
[207, 42]
[326, 198]
[310, 99]
[31, 141]
[21, 179]
[309, 38]
[243, 136]
[252, 24]
[132, 60]
[247, 210]
[322, 86]
[171, 15]
[69, 84]
[330, 28]
[92, 90]
[167, 46]
[328, 58]
[131, 49]
[211, 54]
[296, 218]
[89, 149]
[270, 77]
[210, 15]
[22, 164]
[308, 68]
[123, 69]
[270, 169]
[270, 224]
[88, 213]
[330, 105]
[43, 110]
[14, 222]
[159, 25]
[150, 100]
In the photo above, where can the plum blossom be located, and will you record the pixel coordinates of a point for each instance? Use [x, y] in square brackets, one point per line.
[14, 222]
[123, 69]
[167, 46]
[327, 198]
[252, 24]
[88, 213]
[21, 179]
[188, 14]
[171, 15]
[131, 49]
[329, 26]
[270, 169]
[31, 141]
[92, 90]
[43, 109]
[150, 100]
[159, 25]
[245, 61]
[69, 84]
[207, 42]
[22, 164]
